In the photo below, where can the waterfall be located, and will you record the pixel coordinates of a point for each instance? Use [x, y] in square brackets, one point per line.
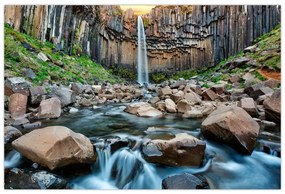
[142, 57]
[12, 160]
[124, 169]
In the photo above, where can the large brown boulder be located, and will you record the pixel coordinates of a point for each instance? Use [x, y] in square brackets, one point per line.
[50, 108]
[18, 104]
[232, 125]
[183, 106]
[170, 106]
[209, 95]
[142, 109]
[16, 85]
[55, 147]
[183, 150]
[164, 91]
[192, 97]
[272, 107]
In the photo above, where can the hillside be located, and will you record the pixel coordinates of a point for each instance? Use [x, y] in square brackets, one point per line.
[22, 59]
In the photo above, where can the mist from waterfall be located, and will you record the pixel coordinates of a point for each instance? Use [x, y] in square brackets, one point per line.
[142, 54]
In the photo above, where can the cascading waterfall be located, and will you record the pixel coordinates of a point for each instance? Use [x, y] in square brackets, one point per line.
[124, 169]
[12, 160]
[142, 54]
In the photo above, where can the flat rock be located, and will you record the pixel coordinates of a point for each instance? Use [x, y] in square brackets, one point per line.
[249, 106]
[50, 108]
[17, 104]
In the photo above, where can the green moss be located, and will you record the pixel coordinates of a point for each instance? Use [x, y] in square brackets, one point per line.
[259, 76]
[205, 86]
[186, 74]
[158, 77]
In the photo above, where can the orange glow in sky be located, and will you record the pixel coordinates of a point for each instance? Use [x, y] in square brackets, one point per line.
[138, 9]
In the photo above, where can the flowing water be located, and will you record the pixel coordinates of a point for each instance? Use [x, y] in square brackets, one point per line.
[142, 54]
[223, 167]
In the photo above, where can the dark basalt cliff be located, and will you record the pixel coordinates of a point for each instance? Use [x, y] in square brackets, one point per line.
[178, 37]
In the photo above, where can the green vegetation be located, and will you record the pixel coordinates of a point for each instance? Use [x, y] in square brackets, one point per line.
[146, 22]
[61, 67]
[269, 52]
[186, 74]
[123, 72]
[158, 77]
[259, 76]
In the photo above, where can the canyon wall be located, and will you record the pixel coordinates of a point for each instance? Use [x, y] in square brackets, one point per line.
[178, 37]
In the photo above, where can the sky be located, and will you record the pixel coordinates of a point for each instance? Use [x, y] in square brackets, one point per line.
[138, 9]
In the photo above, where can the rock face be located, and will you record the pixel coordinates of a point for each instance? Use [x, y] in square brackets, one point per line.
[108, 35]
[272, 107]
[50, 108]
[55, 146]
[183, 150]
[18, 104]
[233, 126]
[142, 109]
[185, 181]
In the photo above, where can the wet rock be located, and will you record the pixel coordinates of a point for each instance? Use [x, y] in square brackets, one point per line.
[192, 98]
[28, 179]
[194, 113]
[18, 121]
[271, 148]
[249, 106]
[17, 85]
[164, 91]
[37, 94]
[65, 95]
[183, 150]
[272, 107]
[185, 181]
[29, 126]
[55, 147]
[10, 134]
[209, 95]
[183, 106]
[18, 104]
[43, 57]
[170, 106]
[77, 88]
[85, 102]
[50, 108]
[117, 143]
[142, 109]
[233, 126]
[73, 110]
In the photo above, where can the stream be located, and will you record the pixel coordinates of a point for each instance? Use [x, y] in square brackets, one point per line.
[223, 167]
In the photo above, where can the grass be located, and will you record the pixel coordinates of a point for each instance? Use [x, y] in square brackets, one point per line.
[61, 69]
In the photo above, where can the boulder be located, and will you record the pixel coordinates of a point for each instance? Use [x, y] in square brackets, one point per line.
[10, 134]
[85, 102]
[235, 78]
[78, 88]
[193, 113]
[28, 72]
[250, 49]
[182, 150]
[65, 95]
[177, 96]
[37, 94]
[185, 181]
[55, 147]
[161, 106]
[272, 107]
[154, 100]
[183, 106]
[178, 83]
[233, 126]
[271, 83]
[50, 108]
[18, 104]
[257, 90]
[142, 109]
[17, 85]
[192, 98]
[238, 62]
[209, 95]
[164, 91]
[170, 106]
[219, 88]
[249, 106]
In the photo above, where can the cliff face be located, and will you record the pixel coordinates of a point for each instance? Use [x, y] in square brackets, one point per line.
[178, 37]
